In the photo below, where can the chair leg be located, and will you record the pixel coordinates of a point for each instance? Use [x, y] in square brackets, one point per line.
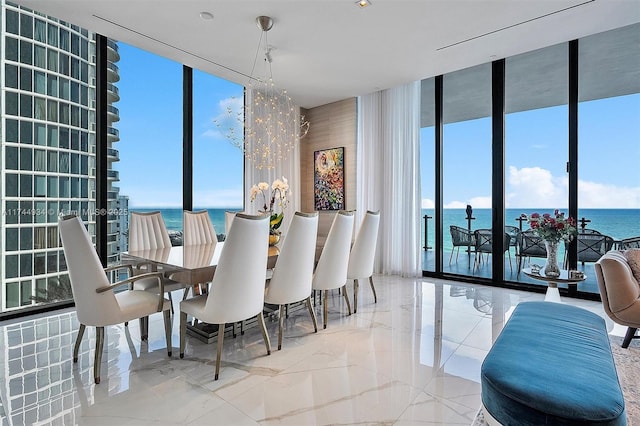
[451, 257]
[219, 352]
[280, 326]
[346, 298]
[183, 332]
[265, 336]
[313, 314]
[167, 331]
[355, 295]
[76, 347]
[325, 309]
[375, 296]
[631, 331]
[144, 328]
[98, 354]
[170, 301]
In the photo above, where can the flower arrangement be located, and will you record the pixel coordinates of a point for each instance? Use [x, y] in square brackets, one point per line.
[272, 197]
[552, 227]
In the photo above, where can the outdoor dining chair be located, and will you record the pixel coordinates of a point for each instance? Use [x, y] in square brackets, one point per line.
[591, 247]
[461, 237]
[531, 245]
[484, 245]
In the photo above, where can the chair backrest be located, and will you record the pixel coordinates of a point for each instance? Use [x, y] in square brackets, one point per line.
[228, 220]
[331, 270]
[514, 234]
[461, 236]
[237, 288]
[629, 243]
[198, 228]
[293, 271]
[86, 275]
[363, 251]
[531, 244]
[592, 247]
[484, 241]
[147, 231]
[618, 287]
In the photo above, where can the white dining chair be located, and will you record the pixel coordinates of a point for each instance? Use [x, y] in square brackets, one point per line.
[198, 228]
[147, 231]
[363, 254]
[293, 272]
[228, 220]
[331, 269]
[237, 289]
[97, 304]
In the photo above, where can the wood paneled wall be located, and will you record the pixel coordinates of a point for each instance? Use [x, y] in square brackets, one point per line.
[332, 126]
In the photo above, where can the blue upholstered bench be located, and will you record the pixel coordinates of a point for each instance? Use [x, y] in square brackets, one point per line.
[552, 365]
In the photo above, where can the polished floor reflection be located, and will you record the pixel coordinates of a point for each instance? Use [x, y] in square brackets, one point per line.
[412, 358]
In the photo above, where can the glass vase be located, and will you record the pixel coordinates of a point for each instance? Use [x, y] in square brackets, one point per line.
[551, 268]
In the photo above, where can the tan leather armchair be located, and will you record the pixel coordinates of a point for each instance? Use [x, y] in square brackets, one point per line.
[620, 292]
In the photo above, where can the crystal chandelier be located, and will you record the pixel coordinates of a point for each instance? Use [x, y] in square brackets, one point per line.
[271, 123]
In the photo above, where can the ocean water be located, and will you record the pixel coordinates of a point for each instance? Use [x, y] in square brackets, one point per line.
[617, 223]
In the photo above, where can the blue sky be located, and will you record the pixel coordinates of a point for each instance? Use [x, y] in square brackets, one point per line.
[151, 147]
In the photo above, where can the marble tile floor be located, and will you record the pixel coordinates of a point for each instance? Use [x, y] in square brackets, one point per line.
[412, 358]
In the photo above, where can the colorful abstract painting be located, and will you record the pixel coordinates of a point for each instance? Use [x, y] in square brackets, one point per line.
[328, 179]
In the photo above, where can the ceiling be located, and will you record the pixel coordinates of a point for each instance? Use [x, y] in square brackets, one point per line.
[329, 50]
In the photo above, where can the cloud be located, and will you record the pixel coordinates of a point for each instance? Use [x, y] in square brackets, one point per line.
[535, 187]
[428, 203]
[599, 195]
[456, 205]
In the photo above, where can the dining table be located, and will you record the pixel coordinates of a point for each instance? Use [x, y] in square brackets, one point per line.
[193, 265]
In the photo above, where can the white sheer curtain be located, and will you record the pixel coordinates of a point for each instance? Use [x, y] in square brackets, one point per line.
[287, 166]
[388, 175]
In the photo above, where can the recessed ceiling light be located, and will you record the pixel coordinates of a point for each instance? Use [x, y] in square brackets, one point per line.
[207, 16]
[363, 3]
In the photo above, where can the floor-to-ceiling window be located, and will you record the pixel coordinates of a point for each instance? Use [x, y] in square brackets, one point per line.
[609, 142]
[150, 129]
[539, 142]
[217, 163]
[466, 168]
[536, 147]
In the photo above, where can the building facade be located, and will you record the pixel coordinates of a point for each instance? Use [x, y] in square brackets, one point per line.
[48, 150]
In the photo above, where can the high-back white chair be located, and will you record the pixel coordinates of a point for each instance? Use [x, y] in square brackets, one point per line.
[237, 288]
[293, 271]
[363, 254]
[228, 220]
[331, 270]
[97, 305]
[147, 231]
[198, 228]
